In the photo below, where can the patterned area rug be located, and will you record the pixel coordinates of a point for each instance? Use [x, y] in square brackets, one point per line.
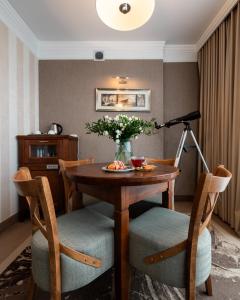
[225, 273]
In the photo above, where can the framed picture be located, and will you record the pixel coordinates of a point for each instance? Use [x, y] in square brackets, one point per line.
[123, 100]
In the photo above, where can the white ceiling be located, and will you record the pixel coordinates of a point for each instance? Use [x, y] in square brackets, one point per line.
[173, 21]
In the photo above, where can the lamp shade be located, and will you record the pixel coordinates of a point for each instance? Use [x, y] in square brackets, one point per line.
[125, 15]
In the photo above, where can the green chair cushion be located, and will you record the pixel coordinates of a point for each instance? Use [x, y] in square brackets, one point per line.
[83, 230]
[159, 229]
[103, 208]
[155, 199]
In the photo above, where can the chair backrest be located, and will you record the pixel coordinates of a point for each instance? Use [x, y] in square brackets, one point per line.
[21, 175]
[209, 187]
[169, 162]
[68, 188]
[37, 192]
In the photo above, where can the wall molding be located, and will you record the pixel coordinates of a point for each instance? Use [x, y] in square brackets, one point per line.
[221, 15]
[47, 50]
[117, 50]
[113, 49]
[180, 53]
[12, 19]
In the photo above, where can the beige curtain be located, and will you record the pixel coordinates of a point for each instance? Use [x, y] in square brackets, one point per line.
[219, 131]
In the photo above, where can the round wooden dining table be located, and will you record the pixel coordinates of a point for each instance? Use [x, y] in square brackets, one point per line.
[122, 190]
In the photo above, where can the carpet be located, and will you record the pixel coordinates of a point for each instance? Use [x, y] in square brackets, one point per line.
[225, 275]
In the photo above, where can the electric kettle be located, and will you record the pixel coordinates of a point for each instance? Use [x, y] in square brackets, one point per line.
[55, 129]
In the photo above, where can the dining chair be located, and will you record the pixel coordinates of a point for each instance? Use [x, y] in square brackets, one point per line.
[141, 207]
[173, 248]
[73, 198]
[70, 251]
[157, 199]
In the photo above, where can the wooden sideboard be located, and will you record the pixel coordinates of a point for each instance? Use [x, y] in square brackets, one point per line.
[40, 153]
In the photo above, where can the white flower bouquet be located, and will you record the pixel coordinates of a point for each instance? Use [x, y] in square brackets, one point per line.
[121, 128]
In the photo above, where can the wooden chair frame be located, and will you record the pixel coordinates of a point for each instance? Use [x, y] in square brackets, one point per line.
[71, 203]
[37, 193]
[166, 162]
[204, 203]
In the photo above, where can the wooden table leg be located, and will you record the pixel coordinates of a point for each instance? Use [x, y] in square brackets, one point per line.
[168, 196]
[122, 253]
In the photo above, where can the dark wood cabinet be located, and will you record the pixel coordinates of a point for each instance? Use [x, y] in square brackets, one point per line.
[40, 153]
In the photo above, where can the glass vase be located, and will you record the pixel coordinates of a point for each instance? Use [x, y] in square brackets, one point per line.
[123, 151]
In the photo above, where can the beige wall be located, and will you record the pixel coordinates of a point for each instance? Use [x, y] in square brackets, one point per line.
[67, 96]
[181, 96]
[18, 110]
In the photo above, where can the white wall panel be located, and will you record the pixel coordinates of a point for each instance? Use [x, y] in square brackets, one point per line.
[20, 88]
[26, 90]
[4, 124]
[18, 110]
[13, 122]
[36, 90]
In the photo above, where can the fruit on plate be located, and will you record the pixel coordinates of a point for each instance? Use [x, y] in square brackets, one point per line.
[116, 165]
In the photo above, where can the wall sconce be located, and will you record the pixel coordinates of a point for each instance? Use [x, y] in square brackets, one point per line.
[122, 79]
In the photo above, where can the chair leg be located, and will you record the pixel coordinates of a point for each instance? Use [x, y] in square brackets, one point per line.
[191, 291]
[31, 290]
[130, 281]
[208, 285]
[56, 295]
[113, 294]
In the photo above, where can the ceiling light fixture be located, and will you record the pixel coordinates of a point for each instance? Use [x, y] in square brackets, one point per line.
[125, 15]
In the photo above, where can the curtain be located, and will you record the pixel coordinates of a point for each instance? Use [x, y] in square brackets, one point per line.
[219, 130]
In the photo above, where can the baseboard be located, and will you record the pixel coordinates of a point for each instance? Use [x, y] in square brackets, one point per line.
[12, 256]
[8, 222]
[183, 198]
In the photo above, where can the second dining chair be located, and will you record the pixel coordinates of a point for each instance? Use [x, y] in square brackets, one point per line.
[157, 200]
[173, 248]
[73, 197]
[68, 252]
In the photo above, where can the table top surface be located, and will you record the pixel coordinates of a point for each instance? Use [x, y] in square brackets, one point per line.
[93, 174]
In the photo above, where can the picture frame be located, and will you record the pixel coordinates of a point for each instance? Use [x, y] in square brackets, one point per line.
[138, 100]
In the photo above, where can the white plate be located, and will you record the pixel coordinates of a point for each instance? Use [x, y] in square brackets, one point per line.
[128, 169]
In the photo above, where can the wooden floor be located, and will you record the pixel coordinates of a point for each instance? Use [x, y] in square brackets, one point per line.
[13, 241]
[18, 236]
